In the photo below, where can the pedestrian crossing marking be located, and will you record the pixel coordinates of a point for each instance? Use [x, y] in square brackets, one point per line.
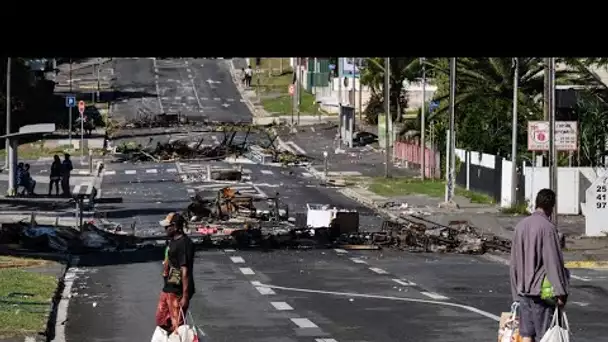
[267, 172]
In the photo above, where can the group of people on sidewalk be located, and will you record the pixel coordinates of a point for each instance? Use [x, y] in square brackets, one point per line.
[60, 172]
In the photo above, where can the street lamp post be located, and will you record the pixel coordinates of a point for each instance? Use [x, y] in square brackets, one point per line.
[387, 110]
[514, 133]
[423, 123]
[450, 161]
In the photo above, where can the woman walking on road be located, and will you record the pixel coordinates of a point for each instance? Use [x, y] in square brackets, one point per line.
[55, 175]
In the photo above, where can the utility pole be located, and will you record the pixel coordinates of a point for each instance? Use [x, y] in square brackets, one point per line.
[10, 162]
[423, 123]
[8, 108]
[70, 109]
[546, 101]
[514, 133]
[98, 80]
[450, 161]
[387, 110]
[552, 147]
[354, 104]
[360, 92]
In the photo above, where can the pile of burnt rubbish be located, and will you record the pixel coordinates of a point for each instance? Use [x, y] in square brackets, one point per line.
[255, 142]
[231, 222]
[417, 234]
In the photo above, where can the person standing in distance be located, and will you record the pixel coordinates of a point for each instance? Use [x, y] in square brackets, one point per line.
[66, 169]
[177, 274]
[536, 257]
[248, 76]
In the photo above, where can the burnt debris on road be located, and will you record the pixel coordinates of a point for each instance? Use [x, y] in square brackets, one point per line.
[255, 142]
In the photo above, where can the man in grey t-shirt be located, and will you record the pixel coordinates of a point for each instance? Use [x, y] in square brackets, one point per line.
[536, 254]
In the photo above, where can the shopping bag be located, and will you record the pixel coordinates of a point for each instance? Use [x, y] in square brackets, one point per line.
[559, 329]
[160, 335]
[508, 327]
[187, 332]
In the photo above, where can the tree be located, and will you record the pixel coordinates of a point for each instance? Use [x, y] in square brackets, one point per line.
[593, 129]
[401, 69]
[32, 97]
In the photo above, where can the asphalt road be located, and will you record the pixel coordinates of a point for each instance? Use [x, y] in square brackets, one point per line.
[357, 161]
[315, 295]
[200, 89]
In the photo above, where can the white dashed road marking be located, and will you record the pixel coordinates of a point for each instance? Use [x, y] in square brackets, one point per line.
[325, 340]
[130, 172]
[580, 278]
[229, 250]
[151, 171]
[434, 295]
[404, 282]
[306, 174]
[340, 250]
[109, 173]
[281, 306]
[267, 172]
[303, 323]
[172, 170]
[264, 290]
[237, 260]
[358, 261]
[246, 271]
[216, 99]
[204, 98]
[378, 270]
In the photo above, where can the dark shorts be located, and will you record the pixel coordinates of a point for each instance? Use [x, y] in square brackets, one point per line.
[534, 317]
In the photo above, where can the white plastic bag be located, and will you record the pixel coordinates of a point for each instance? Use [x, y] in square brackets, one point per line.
[188, 332]
[558, 332]
[160, 335]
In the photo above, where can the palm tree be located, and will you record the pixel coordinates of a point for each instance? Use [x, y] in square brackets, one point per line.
[401, 69]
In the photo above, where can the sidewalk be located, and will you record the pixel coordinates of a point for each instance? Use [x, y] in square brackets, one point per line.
[580, 252]
[260, 115]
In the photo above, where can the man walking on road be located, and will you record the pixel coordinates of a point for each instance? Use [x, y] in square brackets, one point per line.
[177, 273]
[536, 257]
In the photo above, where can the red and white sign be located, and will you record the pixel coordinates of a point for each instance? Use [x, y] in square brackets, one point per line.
[566, 136]
[292, 89]
[81, 107]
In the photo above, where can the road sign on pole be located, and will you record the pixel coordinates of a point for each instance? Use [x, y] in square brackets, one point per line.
[70, 101]
[292, 89]
[566, 135]
[81, 107]
[433, 105]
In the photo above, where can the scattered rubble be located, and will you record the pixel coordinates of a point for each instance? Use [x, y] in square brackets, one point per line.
[421, 235]
[262, 149]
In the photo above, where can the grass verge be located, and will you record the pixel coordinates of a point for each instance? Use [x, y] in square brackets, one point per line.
[36, 150]
[282, 105]
[25, 297]
[272, 84]
[408, 186]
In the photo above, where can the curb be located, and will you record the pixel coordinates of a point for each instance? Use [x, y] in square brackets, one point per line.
[587, 264]
[49, 333]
